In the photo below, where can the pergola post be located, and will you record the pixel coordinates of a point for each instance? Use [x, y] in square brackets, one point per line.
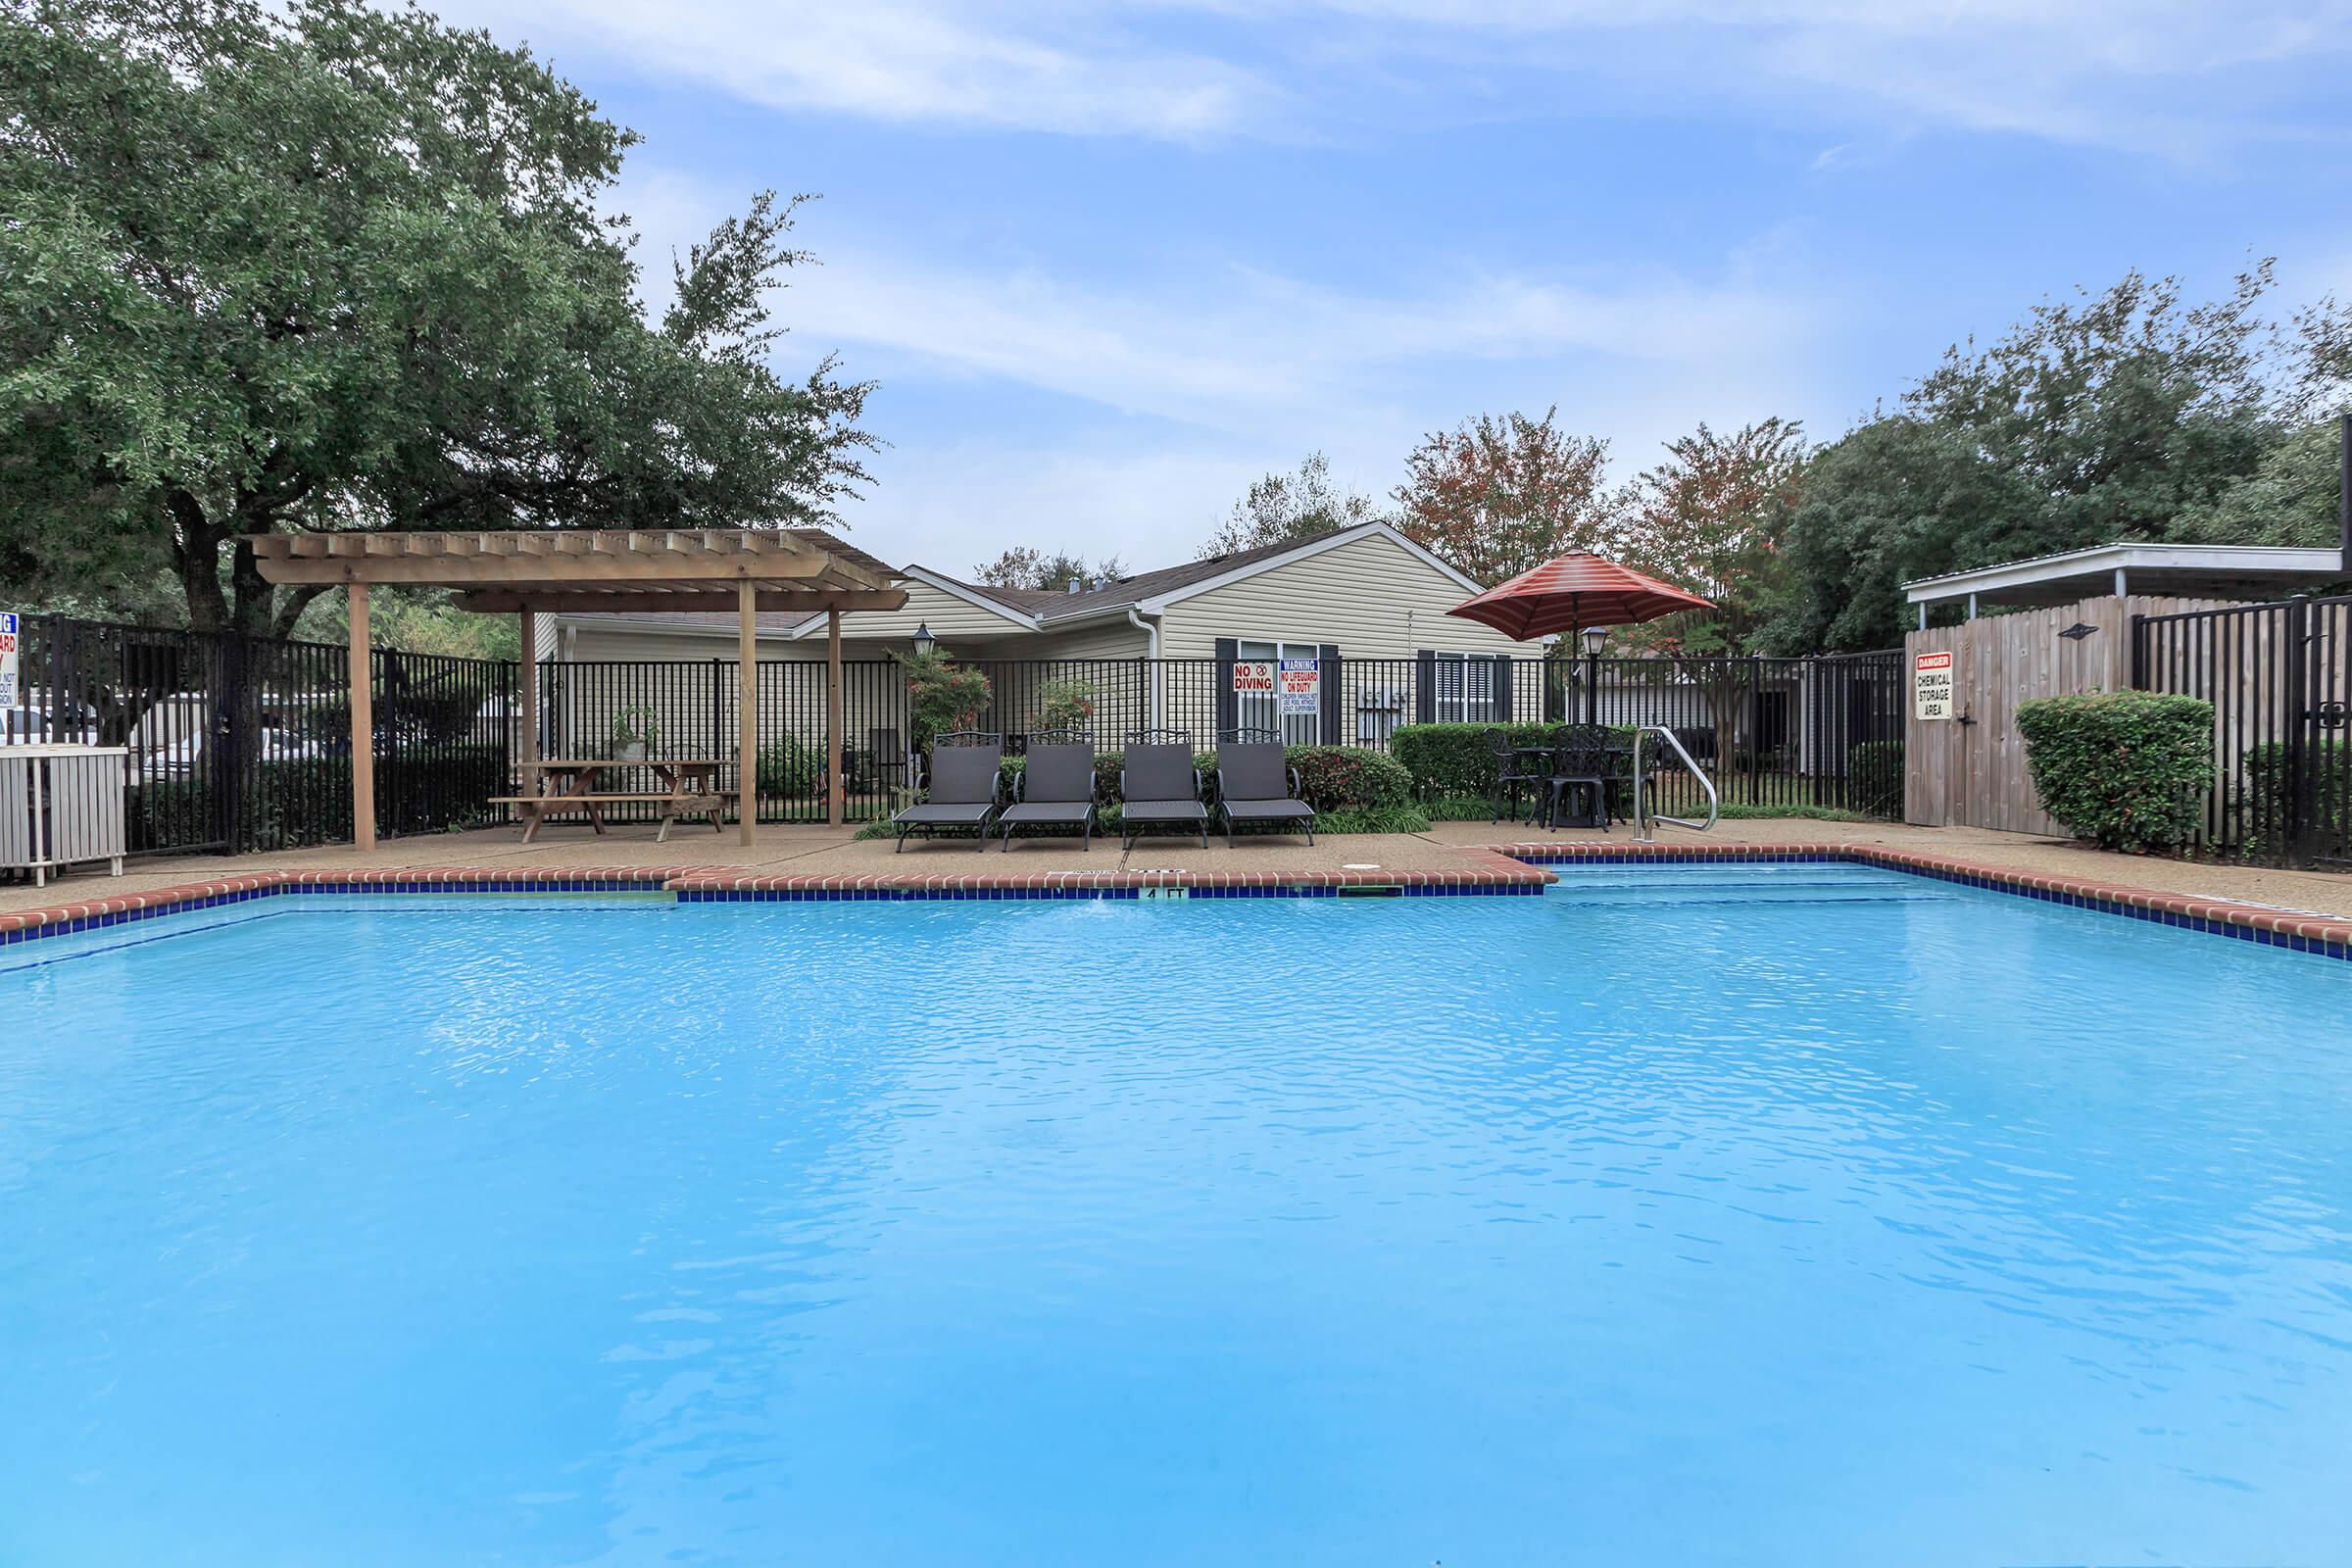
[746, 682]
[363, 726]
[833, 781]
[529, 698]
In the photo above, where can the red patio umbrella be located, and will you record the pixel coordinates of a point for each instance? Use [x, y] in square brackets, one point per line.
[1569, 593]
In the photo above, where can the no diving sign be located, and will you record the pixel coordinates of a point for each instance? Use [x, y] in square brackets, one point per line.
[1932, 686]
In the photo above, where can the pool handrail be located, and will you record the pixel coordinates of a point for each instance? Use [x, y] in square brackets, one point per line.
[1641, 818]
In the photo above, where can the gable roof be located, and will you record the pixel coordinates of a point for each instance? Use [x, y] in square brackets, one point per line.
[1152, 591]
[1147, 592]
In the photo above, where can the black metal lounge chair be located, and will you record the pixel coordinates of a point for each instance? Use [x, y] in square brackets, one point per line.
[964, 786]
[1159, 785]
[1055, 788]
[1255, 786]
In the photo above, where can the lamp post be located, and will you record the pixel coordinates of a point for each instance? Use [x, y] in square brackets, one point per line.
[924, 642]
[1596, 637]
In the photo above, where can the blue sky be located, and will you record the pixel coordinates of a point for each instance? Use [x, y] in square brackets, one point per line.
[1109, 264]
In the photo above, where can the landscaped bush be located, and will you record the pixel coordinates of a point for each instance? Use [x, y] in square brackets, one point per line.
[2266, 795]
[1874, 779]
[1456, 761]
[789, 768]
[297, 802]
[2129, 770]
[1345, 778]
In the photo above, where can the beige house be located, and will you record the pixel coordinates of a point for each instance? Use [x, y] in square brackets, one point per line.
[1154, 650]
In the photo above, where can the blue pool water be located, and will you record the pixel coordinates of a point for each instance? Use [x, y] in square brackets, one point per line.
[1813, 1215]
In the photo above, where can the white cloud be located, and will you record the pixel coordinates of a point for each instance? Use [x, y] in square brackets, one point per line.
[2179, 78]
[908, 60]
[1248, 345]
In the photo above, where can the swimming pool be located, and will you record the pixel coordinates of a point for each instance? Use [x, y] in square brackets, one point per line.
[1812, 1213]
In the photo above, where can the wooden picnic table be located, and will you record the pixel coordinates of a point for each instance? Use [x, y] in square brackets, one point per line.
[567, 787]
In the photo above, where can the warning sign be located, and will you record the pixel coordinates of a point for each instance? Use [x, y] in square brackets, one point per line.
[1302, 689]
[1932, 686]
[9, 665]
[1254, 677]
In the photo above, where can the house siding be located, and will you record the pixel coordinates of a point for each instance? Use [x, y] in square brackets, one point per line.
[1371, 596]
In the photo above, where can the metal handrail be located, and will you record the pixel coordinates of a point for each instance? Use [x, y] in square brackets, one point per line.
[1641, 818]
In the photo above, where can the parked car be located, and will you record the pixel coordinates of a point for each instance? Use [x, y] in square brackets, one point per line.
[31, 726]
[276, 744]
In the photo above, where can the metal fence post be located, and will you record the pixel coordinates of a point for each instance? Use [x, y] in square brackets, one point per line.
[2301, 830]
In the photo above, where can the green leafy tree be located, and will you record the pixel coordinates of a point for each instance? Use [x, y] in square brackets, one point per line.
[1026, 567]
[1500, 496]
[1893, 499]
[1708, 518]
[318, 265]
[1286, 507]
[2116, 416]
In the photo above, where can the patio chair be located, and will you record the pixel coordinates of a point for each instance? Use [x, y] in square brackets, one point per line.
[965, 791]
[1159, 785]
[1581, 766]
[1255, 786]
[1512, 769]
[1055, 788]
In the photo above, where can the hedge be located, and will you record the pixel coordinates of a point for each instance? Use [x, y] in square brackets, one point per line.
[2266, 798]
[1874, 779]
[2129, 770]
[297, 801]
[1457, 761]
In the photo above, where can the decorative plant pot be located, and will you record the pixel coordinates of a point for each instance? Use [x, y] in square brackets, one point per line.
[635, 753]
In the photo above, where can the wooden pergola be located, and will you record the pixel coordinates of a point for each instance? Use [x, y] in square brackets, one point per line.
[526, 573]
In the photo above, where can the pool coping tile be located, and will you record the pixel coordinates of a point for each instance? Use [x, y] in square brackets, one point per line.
[2325, 935]
[1501, 869]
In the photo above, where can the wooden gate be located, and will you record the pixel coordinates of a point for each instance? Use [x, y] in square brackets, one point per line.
[1969, 770]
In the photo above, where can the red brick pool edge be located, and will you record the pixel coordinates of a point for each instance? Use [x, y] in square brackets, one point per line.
[1515, 868]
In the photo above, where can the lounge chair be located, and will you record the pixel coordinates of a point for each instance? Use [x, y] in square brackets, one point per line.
[1255, 786]
[1055, 788]
[964, 786]
[1159, 785]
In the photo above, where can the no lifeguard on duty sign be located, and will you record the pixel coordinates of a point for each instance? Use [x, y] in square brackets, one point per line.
[8, 658]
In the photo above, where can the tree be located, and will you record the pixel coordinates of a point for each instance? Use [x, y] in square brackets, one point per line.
[1023, 567]
[1895, 499]
[1708, 519]
[1285, 507]
[2119, 416]
[275, 268]
[1498, 496]
[2118, 408]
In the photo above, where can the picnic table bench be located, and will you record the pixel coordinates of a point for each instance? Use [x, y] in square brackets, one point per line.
[565, 789]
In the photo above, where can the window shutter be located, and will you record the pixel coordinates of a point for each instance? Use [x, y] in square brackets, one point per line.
[1503, 688]
[1327, 663]
[1425, 687]
[1228, 650]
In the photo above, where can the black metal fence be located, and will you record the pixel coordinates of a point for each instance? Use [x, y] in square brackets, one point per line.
[236, 744]
[2279, 678]
[242, 743]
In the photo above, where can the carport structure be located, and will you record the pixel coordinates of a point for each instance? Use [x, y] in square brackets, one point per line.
[528, 572]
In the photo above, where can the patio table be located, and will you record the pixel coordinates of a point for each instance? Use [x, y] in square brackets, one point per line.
[1618, 764]
[689, 788]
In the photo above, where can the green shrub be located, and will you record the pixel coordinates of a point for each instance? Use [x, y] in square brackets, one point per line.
[1456, 761]
[1371, 819]
[2129, 770]
[297, 801]
[1874, 779]
[789, 768]
[1346, 777]
[1065, 705]
[2266, 795]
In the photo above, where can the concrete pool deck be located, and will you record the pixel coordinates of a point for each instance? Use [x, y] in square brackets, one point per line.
[1447, 850]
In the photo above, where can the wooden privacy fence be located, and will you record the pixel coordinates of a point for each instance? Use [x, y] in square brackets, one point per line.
[1968, 770]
